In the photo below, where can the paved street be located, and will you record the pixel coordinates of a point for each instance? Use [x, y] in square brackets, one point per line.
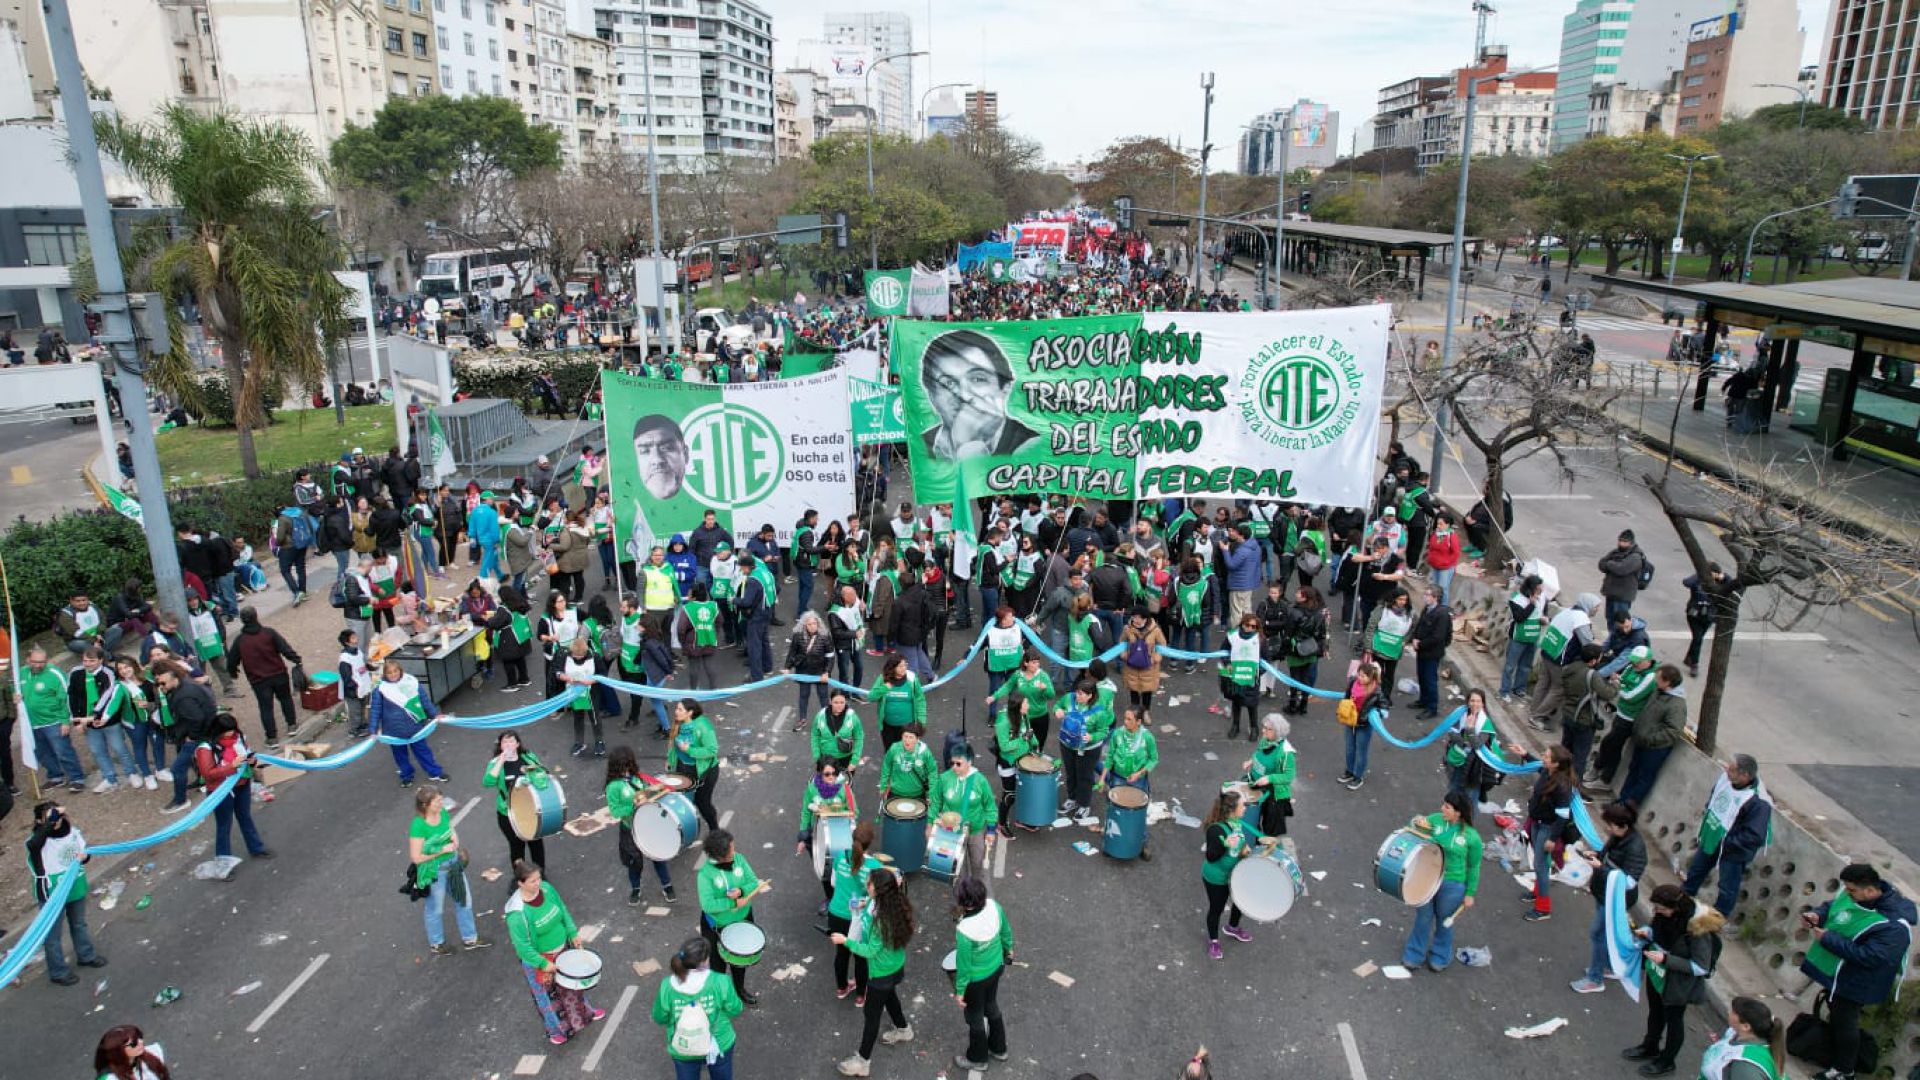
[42, 463]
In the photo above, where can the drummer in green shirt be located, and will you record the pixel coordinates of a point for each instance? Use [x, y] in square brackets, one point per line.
[1131, 755]
[838, 733]
[727, 886]
[1013, 739]
[1460, 846]
[901, 698]
[1033, 685]
[828, 795]
[1228, 840]
[541, 928]
[851, 868]
[511, 764]
[704, 1038]
[693, 751]
[963, 790]
[908, 769]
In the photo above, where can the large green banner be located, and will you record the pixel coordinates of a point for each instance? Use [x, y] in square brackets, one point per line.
[879, 414]
[754, 453]
[1270, 406]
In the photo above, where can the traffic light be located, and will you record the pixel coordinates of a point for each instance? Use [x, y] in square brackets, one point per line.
[1848, 204]
[1123, 212]
[840, 230]
[1306, 201]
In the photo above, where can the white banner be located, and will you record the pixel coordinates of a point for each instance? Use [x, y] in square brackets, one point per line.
[1302, 416]
[927, 294]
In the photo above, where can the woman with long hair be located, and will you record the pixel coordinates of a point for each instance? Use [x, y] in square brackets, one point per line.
[513, 764]
[1549, 814]
[559, 625]
[440, 866]
[627, 789]
[125, 1054]
[1753, 1047]
[693, 751]
[1305, 646]
[886, 926]
[1452, 831]
[1676, 950]
[512, 635]
[1228, 839]
[705, 1040]
[851, 869]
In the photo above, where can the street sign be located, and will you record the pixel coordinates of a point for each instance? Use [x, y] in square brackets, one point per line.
[1168, 222]
[797, 222]
[1874, 193]
[1679, 245]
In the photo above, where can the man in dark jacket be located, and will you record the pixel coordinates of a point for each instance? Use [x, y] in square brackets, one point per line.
[264, 654]
[1432, 633]
[1656, 731]
[194, 558]
[755, 606]
[1859, 957]
[336, 533]
[192, 707]
[1112, 596]
[703, 540]
[1621, 568]
[1738, 823]
[1624, 634]
[913, 618]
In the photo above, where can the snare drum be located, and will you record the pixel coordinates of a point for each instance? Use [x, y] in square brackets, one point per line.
[577, 969]
[903, 834]
[674, 781]
[832, 834]
[537, 812]
[1036, 792]
[666, 826]
[1266, 883]
[946, 853]
[742, 944]
[1126, 827]
[1408, 867]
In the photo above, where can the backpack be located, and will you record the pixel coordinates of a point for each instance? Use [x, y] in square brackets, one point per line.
[692, 1032]
[1645, 576]
[1139, 655]
[1308, 560]
[299, 530]
[337, 596]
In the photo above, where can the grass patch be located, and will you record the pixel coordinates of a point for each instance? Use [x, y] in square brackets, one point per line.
[733, 295]
[196, 455]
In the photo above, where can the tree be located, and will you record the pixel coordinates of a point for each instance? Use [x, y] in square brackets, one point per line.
[1619, 191]
[432, 153]
[248, 243]
[1148, 169]
[1500, 203]
[1771, 170]
[1791, 116]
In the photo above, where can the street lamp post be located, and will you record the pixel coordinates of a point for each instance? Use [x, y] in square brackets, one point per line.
[1200, 223]
[873, 117]
[1805, 92]
[1680, 227]
[669, 342]
[926, 122]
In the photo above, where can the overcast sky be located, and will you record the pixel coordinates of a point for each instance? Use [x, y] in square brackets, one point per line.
[1078, 74]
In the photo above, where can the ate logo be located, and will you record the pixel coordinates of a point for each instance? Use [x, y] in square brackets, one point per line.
[1299, 392]
[735, 455]
[887, 293]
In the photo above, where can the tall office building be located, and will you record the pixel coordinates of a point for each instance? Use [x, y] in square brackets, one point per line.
[1314, 139]
[983, 107]
[877, 34]
[1637, 44]
[1868, 67]
[712, 91]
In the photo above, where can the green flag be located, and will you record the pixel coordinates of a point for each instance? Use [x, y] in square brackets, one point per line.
[887, 291]
[439, 450]
[124, 504]
[879, 412]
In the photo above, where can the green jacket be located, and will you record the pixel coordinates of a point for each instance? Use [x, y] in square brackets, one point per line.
[715, 994]
[715, 883]
[1012, 745]
[1462, 849]
[1128, 754]
[1662, 721]
[1274, 763]
[825, 741]
[536, 931]
[696, 743]
[623, 798]
[882, 959]
[904, 775]
[1038, 691]
[495, 778]
[900, 705]
[811, 803]
[847, 883]
[971, 798]
[45, 696]
[981, 944]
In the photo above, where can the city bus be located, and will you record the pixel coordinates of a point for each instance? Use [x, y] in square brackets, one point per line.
[451, 276]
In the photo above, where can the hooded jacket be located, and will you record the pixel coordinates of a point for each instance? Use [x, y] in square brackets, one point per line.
[261, 651]
[684, 562]
[982, 943]
[1689, 954]
[1662, 720]
[1622, 569]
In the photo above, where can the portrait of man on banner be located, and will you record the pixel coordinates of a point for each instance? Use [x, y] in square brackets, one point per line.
[967, 379]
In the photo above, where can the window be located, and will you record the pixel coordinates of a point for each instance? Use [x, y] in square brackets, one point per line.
[417, 5]
[466, 8]
[1696, 80]
[446, 75]
[493, 48]
[395, 43]
[490, 15]
[419, 44]
[473, 81]
[399, 82]
[1690, 101]
[496, 86]
[440, 6]
[423, 86]
[468, 43]
[53, 245]
[440, 35]
[1696, 59]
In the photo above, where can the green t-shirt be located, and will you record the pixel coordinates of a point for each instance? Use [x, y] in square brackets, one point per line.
[45, 696]
[1239, 839]
[882, 959]
[436, 842]
[538, 929]
[715, 882]
[1461, 847]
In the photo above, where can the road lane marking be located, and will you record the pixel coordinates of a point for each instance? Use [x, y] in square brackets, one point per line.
[1872, 609]
[726, 819]
[612, 1025]
[287, 994]
[1352, 1048]
[22, 474]
[1000, 858]
[779, 723]
[1804, 637]
[465, 810]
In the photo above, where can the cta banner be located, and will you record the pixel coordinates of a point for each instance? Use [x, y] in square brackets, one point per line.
[754, 453]
[1040, 238]
[879, 416]
[1271, 406]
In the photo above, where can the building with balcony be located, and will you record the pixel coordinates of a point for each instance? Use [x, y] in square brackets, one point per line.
[1396, 119]
[1868, 65]
[467, 34]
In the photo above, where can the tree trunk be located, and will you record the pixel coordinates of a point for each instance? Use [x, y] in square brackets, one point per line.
[1726, 624]
[234, 355]
[1500, 256]
[1498, 551]
[1614, 255]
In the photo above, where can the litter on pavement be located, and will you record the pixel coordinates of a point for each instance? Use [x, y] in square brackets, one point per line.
[1540, 1030]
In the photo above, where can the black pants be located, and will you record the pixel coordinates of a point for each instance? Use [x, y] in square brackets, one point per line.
[1220, 898]
[583, 717]
[843, 958]
[571, 582]
[703, 795]
[1579, 743]
[1387, 667]
[1698, 626]
[716, 962]
[1274, 813]
[889, 734]
[517, 848]
[1843, 1033]
[1008, 780]
[380, 615]
[1141, 700]
[1612, 748]
[883, 995]
[265, 692]
[6, 743]
[1670, 1021]
[516, 671]
[986, 1031]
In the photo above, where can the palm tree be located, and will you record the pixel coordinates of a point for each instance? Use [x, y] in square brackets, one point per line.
[247, 240]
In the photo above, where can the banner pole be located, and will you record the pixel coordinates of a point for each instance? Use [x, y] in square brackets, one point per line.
[613, 513]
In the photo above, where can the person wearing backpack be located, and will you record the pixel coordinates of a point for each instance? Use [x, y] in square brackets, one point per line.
[1623, 569]
[1700, 608]
[292, 537]
[1085, 724]
[697, 1010]
[1140, 661]
[1680, 948]
[886, 929]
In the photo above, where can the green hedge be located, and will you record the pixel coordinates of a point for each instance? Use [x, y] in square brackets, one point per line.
[98, 550]
[574, 373]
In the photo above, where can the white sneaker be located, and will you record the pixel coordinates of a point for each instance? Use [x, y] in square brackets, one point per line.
[152, 784]
[856, 1066]
[103, 787]
[898, 1036]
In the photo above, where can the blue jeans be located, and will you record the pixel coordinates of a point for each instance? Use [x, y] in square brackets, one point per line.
[807, 690]
[238, 806]
[1518, 667]
[660, 870]
[721, 1068]
[607, 568]
[182, 765]
[850, 658]
[759, 651]
[995, 679]
[340, 560]
[462, 913]
[1443, 580]
[1598, 963]
[76, 915]
[421, 752]
[225, 595]
[918, 662]
[1731, 873]
[57, 756]
[149, 747]
[1427, 671]
[1641, 772]
[803, 575]
[989, 604]
[490, 560]
[1191, 638]
[1543, 834]
[429, 553]
[1617, 608]
[1359, 741]
[109, 744]
[1432, 938]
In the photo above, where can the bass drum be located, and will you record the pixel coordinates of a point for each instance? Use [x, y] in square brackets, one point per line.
[1266, 883]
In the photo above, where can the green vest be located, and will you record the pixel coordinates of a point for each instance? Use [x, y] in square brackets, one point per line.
[1723, 809]
[1527, 631]
[722, 587]
[769, 589]
[1390, 634]
[657, 587]
[1192, 598]
[1018, 573]
[630, 639]
[1080, 638]
[1714, 1062]
[1220, 871]
[794, 555]
[1004, 648]
[704, 616]
[1407, 504]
